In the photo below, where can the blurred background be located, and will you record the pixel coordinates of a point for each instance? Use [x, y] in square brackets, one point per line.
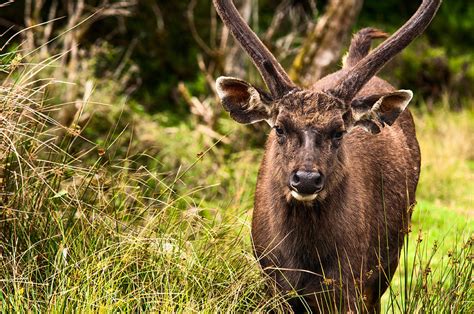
[152, 46]
[125, 186]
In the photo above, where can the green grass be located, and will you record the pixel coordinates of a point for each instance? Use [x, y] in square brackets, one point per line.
[125, 211]
[447, 144]
[437, 258]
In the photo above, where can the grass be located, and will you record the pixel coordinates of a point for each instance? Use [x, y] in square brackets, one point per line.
[447, 147]
[437, 257]
[128, 212]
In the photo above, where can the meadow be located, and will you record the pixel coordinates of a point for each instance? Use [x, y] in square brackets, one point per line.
[126, 211]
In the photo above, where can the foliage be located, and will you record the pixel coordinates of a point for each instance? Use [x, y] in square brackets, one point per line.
[157, 40]
[127, 211]
[433, 74]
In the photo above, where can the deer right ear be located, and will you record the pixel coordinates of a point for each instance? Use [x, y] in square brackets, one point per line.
[245, 103]
[374, 112]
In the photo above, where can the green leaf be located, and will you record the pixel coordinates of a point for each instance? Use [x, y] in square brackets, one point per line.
[59, 194]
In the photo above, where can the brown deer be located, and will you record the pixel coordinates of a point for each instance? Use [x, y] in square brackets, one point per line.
[339, 174]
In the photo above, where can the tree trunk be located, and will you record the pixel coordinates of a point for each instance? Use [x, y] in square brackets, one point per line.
[322, 47]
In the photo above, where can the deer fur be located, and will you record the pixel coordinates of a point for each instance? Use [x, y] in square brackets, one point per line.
[338, 246]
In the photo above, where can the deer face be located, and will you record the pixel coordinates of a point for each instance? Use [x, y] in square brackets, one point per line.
[309, 126]
[307, 135]
[308, 130]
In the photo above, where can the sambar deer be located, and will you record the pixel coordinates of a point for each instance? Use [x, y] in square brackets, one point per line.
[340, 169]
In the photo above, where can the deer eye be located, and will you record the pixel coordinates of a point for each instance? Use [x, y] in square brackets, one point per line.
[279, 131]
[337, 136]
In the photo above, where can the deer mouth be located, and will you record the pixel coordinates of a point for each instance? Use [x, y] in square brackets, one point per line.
[303, 197]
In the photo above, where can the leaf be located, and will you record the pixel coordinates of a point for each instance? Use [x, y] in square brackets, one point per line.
[59, 194]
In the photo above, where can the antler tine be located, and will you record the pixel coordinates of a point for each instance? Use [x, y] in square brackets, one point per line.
[366, 68]
[275, 77]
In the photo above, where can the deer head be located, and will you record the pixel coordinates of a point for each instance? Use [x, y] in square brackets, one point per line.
[309, 126]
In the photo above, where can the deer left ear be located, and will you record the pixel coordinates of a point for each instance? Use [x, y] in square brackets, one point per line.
[373, 112]
[245, 103]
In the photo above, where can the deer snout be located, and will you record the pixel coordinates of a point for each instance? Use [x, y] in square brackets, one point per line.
[306, 182]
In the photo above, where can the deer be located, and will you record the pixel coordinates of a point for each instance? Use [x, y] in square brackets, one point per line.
[336, 185]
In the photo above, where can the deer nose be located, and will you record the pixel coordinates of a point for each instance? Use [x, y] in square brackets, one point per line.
[306, 182]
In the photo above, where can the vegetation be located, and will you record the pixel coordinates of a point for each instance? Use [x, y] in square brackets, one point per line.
[107, 204]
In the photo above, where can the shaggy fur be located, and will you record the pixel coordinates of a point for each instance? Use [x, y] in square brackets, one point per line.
[340, 246]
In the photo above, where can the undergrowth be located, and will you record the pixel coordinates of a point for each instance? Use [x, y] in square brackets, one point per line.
[125, 211]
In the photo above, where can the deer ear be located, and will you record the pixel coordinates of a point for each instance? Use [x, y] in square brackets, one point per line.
[245, 103]
[376, 111]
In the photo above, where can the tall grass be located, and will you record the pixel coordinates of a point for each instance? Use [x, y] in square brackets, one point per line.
[87, 227]
[435, 273]
[128, 212]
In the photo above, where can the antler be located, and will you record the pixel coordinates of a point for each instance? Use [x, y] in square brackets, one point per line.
[275, 77]
[366, 68]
